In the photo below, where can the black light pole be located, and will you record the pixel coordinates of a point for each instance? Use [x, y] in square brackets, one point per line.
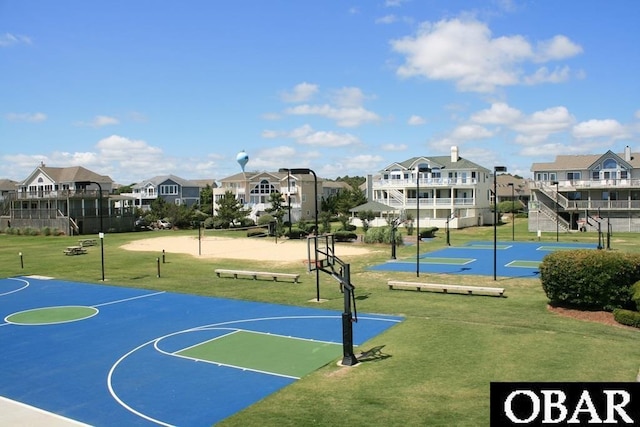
[556, 183]
[496, 169]
[101, 232]
[306, 171]
[289, 199]
[513, 214]
[418, 170]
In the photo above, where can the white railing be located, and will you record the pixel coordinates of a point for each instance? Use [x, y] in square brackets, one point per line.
[424, 182]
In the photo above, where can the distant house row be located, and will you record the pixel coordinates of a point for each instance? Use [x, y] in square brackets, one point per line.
[572, 193]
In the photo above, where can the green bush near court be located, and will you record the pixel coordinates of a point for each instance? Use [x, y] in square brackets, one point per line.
[588, 279]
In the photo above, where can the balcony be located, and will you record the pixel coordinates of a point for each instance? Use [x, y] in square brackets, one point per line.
[58, 194]
[425, 182]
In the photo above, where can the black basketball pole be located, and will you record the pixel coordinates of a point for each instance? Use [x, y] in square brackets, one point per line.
[348, 358]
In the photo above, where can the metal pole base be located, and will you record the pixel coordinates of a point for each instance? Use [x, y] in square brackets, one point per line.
[349, 360]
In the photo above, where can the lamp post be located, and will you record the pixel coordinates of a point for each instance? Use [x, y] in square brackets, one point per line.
[496, 169]
[513, 214]
[289, 199]
[418, 170]
[556, 183]
[101, 232]
[306, 171]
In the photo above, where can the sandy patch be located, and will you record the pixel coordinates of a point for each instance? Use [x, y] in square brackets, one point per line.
[239, 248]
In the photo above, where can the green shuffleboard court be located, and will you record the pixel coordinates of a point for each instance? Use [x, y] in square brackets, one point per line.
[557, 248]
[524, 263]
[267, 353]
[445, 260]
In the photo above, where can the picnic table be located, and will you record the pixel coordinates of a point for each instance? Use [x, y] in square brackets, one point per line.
[87, 242]
[75, 250]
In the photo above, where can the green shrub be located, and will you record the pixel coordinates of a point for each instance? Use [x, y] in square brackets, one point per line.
[381, 235]
[589, 279]
[209, 223]
[265, 219]
[635, 294]
[295, 233]
[345, 236]
[627, 317]
[257, 232]
[428, 233]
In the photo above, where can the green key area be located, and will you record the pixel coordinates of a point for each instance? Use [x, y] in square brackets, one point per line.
[268, 353]
[51, 315]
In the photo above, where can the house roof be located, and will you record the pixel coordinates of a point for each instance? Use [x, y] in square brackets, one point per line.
[438, 161]
[69, 174]
[157, 180]
[583, 161]
[520, 186]
[202, 183]
[8, 185]
[373, 207]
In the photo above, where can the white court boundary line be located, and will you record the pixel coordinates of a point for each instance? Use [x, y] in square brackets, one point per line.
[154, 341]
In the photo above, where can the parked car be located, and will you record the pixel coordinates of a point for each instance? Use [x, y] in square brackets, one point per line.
[163, 224]
[141, 224]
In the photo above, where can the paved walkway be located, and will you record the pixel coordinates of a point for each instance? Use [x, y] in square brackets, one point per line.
[16, 414]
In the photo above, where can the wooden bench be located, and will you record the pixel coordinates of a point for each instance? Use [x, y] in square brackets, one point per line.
[75, 250]
[87, 242]
[256, 274]
[457, 289]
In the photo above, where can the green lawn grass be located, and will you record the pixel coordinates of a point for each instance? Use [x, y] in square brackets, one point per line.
[436, 365]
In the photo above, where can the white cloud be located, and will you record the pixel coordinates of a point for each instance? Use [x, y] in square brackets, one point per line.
[464, 51]
[545, 122]
[348, 97]
[499, 114]
[470, 132]
[26, 117]
[394, 3]
[344, 117]
[599, 128]
[128, 151]
[415, 120]
[301, 92]
[100, 121]
[559, 47]
[8, 39]
[394, 147]
[306, 135]
[387, 19]
[543, 75]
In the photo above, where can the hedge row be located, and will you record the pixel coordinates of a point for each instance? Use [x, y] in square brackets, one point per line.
[590, 279]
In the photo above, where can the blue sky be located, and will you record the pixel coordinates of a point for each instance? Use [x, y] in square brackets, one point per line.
[138, 88]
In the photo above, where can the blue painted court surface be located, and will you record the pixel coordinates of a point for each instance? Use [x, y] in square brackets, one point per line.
[141, 358]
[513, 259]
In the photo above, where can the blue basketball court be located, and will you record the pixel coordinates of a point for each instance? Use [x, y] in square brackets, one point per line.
[513, 259]
[114, 356]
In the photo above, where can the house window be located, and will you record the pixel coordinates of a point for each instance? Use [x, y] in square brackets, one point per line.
[609, 164]
[574, 195]
[167, 190]
[595, 174]
[573, 176]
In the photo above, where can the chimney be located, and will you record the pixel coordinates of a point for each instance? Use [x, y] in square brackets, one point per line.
[454, 154]
[627, 153]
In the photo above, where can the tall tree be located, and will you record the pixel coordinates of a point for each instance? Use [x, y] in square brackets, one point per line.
[277, 210]
[230, 209]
